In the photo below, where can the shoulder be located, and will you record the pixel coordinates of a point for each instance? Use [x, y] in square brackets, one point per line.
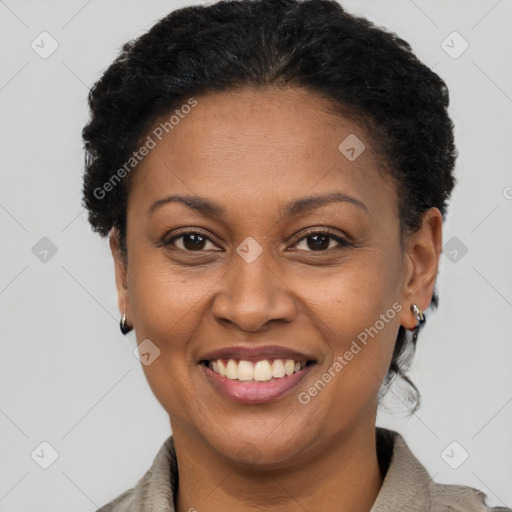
[122, 503]
[408, 486]
[155, 490]
[459, 498]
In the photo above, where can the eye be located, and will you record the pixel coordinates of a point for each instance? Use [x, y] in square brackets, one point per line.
[315, 241]
[192, 241]
[320, 241]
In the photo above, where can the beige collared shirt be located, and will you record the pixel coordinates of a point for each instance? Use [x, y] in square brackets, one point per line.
[407, 486]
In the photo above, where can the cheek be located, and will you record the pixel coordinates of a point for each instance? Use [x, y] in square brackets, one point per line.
[165, 302]
[165, 308]
[357, 310]
[156, 317]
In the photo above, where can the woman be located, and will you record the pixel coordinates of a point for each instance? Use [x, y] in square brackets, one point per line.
[273, 176]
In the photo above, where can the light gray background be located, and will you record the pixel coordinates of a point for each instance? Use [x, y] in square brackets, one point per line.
[68, 376]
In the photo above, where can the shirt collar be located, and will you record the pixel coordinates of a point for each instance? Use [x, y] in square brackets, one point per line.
[405, 482]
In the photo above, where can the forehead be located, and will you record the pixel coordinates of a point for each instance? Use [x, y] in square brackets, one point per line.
[255, 145]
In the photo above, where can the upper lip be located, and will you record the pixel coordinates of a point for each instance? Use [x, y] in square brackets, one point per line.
[252, 353]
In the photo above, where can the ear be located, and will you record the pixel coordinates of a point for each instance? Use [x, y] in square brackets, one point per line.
[120, 265]
[422, 263]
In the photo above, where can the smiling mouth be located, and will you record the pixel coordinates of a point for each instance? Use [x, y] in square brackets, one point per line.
[265, 370]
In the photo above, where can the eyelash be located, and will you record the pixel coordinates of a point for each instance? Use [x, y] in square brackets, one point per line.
[343, 243]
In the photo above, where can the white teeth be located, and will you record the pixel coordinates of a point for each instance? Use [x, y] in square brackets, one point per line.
[289, 366]
[278, 368]
[262, 371]
[245, 370]
[232, 369]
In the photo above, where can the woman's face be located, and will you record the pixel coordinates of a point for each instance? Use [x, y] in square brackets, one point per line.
[263, 279]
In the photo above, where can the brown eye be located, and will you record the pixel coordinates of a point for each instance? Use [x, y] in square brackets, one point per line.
[320, 241]
[191, 241]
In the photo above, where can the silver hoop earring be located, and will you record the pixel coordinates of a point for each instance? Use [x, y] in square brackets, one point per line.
[418, 313]
[125, 328]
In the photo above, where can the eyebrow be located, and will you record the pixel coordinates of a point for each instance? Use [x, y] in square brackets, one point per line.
[302, 205]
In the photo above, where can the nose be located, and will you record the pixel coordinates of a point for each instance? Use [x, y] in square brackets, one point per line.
[252, 295]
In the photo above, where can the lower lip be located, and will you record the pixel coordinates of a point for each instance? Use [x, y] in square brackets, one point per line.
[255, 392]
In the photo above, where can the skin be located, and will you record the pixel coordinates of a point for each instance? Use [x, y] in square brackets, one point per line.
[252, 152]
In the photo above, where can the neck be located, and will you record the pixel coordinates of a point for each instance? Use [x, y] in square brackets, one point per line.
[343, 471]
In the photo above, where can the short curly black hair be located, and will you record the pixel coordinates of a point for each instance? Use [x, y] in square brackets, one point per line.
[368, 73]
